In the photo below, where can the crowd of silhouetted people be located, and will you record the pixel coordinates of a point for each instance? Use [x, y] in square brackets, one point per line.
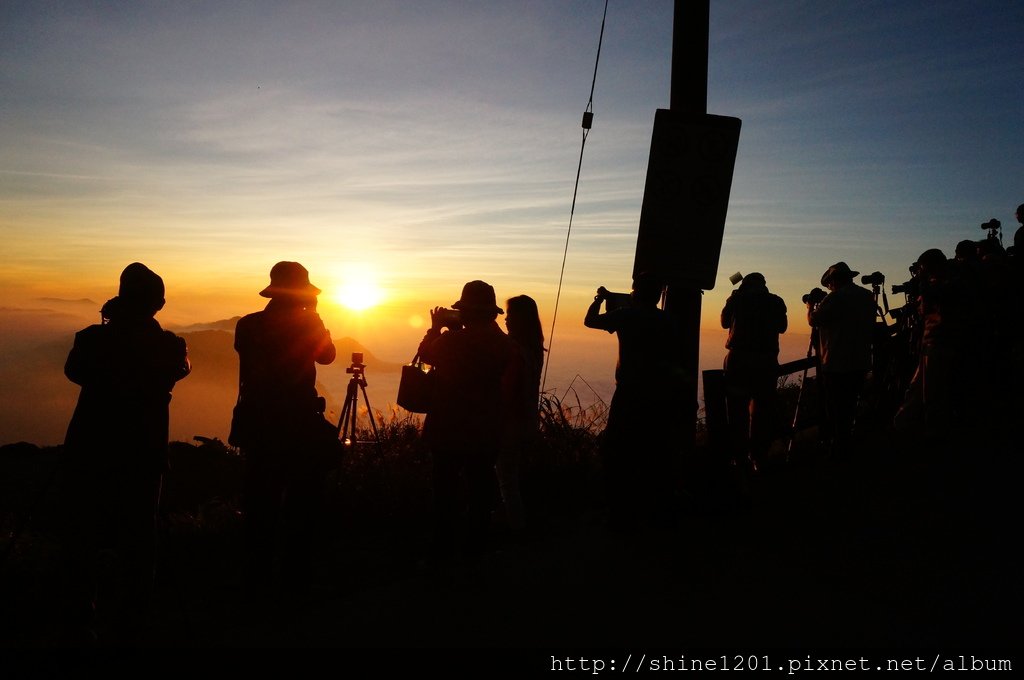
[483, 415]
[942, 363]
[952, 353]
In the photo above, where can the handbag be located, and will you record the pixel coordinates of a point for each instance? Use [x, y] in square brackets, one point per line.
[415, 387]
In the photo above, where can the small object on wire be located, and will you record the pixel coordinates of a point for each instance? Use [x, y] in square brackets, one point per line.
[588, 119]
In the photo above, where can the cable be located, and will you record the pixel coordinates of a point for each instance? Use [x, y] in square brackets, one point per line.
[588, 120]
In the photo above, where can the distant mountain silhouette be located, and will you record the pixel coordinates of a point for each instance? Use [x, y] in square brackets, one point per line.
[36, 400]
[63, 301]
[346, 346]
[222, 325]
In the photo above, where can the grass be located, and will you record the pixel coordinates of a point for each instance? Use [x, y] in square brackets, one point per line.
[882, 549]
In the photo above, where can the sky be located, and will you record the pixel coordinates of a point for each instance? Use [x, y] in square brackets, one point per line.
[414, 146]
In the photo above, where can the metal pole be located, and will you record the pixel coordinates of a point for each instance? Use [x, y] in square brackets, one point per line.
[690, 28]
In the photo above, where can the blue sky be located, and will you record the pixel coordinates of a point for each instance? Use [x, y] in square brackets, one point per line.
[428, 143]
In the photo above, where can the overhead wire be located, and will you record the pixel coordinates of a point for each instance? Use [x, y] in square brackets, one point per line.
[587, 123]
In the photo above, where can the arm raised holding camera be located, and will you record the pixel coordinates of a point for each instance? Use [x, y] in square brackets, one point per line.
[592, 319]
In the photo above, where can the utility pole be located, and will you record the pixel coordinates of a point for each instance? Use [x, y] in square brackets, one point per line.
[686, 196]
[689, 94]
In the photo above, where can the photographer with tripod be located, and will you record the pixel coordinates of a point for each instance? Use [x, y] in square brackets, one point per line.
[279, 425]
[845, 320]
[937, 389]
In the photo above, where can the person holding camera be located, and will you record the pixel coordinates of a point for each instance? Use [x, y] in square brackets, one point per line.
[845, 319]
[279, 425]
[639, 445]
[115, 452]
[941, 381]
[474, 368]
[755, 318]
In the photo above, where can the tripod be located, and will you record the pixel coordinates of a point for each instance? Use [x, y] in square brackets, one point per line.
[347, 421]
[882, 310]
[812, 349]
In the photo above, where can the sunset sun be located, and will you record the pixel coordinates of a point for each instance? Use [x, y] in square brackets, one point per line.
[358, 294]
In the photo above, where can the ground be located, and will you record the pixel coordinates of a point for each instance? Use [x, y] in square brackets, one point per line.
[898, 545]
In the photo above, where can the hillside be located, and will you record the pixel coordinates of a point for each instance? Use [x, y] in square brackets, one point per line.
[36, 400]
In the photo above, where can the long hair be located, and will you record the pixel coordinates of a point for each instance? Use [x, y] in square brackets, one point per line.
[526, 330]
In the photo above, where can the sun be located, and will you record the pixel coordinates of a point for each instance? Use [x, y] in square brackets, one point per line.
[358, 291]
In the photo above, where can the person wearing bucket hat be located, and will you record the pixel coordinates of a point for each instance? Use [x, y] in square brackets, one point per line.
[845, 320]
[116, 449]
[474, 366]
[638, 445]
[278, 423]
[478, 296]
[289, 279]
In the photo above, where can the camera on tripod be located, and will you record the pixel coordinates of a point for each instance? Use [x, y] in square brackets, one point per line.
[875, 279]
[357, 366]
[814, 297]
[346, 428]
[993, 226]
[911, 288]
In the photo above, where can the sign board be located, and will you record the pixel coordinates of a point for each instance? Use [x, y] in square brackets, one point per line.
[686, 197]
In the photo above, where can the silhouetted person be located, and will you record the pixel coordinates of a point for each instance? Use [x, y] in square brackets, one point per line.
[475, 366]
[115, 452]
[755, 318]
[523, 323]
[995, 333]
[640, 444]
[1016, 310]
[280, 427]
[1018, 235]
[932, 398]
[845, 319]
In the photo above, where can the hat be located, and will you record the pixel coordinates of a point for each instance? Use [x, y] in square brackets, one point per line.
[289, 278]
[478, 296]
[838, 269]
[141, 287]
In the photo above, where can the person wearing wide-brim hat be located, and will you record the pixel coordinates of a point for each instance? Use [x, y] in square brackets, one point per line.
[289, 279]
[838, 274]
[278, 423]
[478, 297]
[845, 319]
[474, 364]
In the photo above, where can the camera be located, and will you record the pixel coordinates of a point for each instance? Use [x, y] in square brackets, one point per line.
[909, 288]
[898, 313]
[875, 279]
[357, 364]
[613, 301]
[993, 226]
[814, 297]
[451, 318]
